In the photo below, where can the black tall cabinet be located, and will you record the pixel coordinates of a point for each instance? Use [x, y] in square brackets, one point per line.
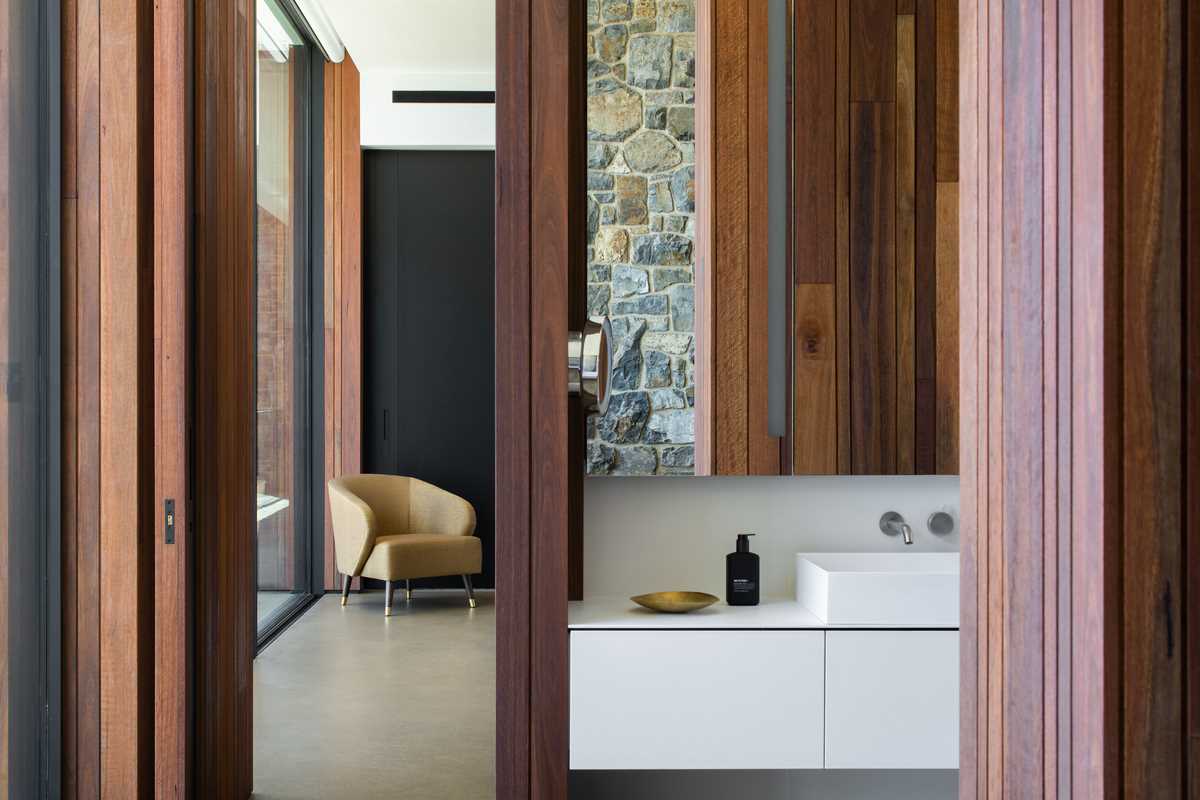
[428, 325]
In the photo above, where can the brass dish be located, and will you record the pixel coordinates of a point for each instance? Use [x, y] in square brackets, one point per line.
[675, 602]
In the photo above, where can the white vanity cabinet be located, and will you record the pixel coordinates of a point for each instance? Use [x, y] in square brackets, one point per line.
[767, 687]
[891, 699]
[696, 699]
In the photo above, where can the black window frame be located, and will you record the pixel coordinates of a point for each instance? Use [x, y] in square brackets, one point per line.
[309, 310]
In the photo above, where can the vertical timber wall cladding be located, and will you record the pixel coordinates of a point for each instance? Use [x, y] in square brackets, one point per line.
[107, 368]
[343, 285]
[875, 232]
[224, 419]
[1074, 333]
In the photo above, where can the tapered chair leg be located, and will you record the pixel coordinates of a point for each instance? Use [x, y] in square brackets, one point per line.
[470, 590]
[388, 587]
[345, 588]
[407, 589]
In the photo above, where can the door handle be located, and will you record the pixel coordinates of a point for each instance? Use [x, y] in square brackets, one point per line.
[589, 361]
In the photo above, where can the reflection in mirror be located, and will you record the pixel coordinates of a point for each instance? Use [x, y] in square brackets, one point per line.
[772, 231]
[641, 156]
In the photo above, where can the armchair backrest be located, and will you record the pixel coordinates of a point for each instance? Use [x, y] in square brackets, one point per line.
[364, 507]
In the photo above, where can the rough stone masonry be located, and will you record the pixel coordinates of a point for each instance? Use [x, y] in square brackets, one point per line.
[641, 74]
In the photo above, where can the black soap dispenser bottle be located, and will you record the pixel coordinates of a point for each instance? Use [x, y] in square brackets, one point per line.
[741, 574]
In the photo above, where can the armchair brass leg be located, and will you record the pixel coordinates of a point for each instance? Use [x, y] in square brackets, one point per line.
[345, 588]
[470, 590]
[387, 597]
[407, 589]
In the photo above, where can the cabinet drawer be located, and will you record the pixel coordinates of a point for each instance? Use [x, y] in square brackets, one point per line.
[716, 699]
[891, 700]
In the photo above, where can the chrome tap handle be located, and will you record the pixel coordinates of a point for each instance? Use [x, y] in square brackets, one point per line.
[892, 524]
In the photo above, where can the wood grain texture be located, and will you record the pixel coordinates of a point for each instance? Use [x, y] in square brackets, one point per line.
[815, 422]
[730, 262]
[814, 217]
[1152, 436]
[703, 378]
[872, 50]
[947, 329]
[1071, 278]
[1192, 390]
[947, 90]
[763, 449]
[84, 483]
[172, 277]
[513, 402]
[224, 402]
[872, 289]
[343, 285]
[554, 101]
[925, 241]
[842, 200]
[906, 231]
[125, 481]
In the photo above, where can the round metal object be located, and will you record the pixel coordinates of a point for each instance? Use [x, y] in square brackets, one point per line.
[940, 523]
[675, 602]
[589, 360]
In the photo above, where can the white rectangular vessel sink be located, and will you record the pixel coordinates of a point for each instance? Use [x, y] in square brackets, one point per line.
[880, 589]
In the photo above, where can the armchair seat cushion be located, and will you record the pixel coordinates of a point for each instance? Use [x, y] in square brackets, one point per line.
[423, 555]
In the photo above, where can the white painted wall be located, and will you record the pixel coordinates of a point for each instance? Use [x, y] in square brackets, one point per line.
[657, 534]
[417, 126]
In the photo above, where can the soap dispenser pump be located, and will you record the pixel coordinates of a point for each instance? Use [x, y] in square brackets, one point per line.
[741, 574]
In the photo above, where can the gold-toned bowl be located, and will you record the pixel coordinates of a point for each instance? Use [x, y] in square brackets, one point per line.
[675, 602]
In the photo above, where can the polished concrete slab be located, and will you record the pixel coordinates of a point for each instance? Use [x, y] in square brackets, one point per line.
[348, 703]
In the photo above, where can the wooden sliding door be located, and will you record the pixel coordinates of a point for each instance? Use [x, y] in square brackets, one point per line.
[539, 229]
[1074, 333]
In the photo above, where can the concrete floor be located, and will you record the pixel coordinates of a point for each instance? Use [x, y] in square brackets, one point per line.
[348, 703]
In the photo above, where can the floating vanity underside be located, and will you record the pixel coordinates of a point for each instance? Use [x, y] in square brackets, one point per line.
[762, 687]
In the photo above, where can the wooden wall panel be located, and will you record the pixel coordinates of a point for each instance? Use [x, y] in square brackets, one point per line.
[872, 289]
[534, 225]
[172, 277]
[947, 329]
[730, 256]
[1192, 393]
[925, 244]
[514, 450]
[842, 201]
[108, 713]
[125, 477]
[947, 90]
[872, 50]
[1072, 270]
[814, 225]
[343, 285]
[814, 439]
[224, 400]
[703, 376]
[887, 368]
[906, 230]
[1152, 367]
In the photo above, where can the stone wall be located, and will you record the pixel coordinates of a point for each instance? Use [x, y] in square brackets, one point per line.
[641, 223]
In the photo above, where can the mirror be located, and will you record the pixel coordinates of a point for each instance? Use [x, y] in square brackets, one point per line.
[772, 212]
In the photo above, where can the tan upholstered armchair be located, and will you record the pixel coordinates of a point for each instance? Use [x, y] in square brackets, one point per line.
[393, 528]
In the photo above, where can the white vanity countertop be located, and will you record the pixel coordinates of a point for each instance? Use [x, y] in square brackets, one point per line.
[621, 613]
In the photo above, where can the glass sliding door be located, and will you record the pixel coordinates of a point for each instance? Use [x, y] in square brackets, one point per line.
[284, 321]
[30, 600]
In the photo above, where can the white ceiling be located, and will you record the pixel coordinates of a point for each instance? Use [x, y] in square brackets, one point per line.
[420, 37]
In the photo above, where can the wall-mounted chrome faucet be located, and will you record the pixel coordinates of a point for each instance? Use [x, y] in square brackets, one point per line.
[892, 523]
